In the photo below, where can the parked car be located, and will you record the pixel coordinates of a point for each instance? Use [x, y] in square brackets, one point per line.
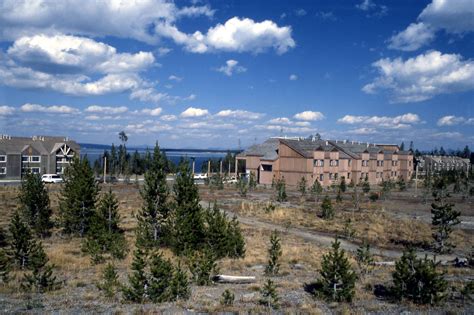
[109, 179]
[51, 178]
[200, 176]
[231, 180]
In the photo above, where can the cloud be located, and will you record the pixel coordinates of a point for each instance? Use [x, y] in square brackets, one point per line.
[194, 112]
[106, 109]
[125, 19]
[397, 122]
[152, 112]
[309, 116]
[235, 35]
[228, 113]
[300, 12]
[163, 51]
[326, 16]
[231, 67]
[363, 131]
[452, 120]
[169, 118]
[175, 78]
[6, 110]
[280, 120]
[293, 77]
[422, 77]
[413, 37]
[454, 17]
[55, 109]
[372, 9]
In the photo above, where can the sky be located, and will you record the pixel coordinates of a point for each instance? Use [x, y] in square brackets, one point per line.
[228, 74]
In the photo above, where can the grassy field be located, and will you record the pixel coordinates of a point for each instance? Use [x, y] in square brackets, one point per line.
[385, 223]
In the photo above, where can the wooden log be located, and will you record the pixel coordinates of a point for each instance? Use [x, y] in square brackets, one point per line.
[384, 263]
[233, 279]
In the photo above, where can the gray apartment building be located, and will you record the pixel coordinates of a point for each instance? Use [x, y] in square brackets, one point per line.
[437, 163]
[39, 154]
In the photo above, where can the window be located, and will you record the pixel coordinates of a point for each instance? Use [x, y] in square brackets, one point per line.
[336, 175]
[349, 175]
[3, 158]
[334, 162]
[321, 177]
[35, 170]
[267, 167]
[350, 162]
[35, 159]
[376, 175]
[24, 158]
[318, 163]
[3, 170]
[331, 176]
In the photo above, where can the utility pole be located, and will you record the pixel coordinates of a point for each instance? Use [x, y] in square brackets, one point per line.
[220, 168]
[208, 168]
[105, 169]
[194, 164]
[416, 180]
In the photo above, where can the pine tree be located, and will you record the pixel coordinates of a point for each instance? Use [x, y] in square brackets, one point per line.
[281, 190]
[444, 218]
[242, 187]
[302, 186]
[337, 281]
[202, 265]
[269, 295]
[138, 282]
[105, 235]
[78, 199]
[417, 279]
[21, 241]
[316, 190]
[366, 185]
[153, 218]
[188, 227]
[227, 298]
[327, 209]
[161, 276]
[3, 238]
[342, 184]
[364, 258]
[274, 255]
[252, 181]
[110, 283]
[179, 288]
[34, 204]
[41, 278]
[386, 188]
[235, 240]
[113, 160]
[401, 184]
[338, 196]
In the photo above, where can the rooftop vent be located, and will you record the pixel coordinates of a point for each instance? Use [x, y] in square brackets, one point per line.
[5, 137]
[327, 142]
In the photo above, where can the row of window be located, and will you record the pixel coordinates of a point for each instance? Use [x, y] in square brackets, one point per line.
[33, 170]
[3, 158]
[364, 163]
[31, 158]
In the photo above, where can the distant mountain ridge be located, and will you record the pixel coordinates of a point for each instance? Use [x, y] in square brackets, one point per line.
[142, 147]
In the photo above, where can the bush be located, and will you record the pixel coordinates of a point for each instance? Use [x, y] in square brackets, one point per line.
[227, 298]
[327, 209]
[374, 197]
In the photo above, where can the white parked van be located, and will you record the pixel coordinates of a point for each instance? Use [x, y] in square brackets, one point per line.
[51, 178]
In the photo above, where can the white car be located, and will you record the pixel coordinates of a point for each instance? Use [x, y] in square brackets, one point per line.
[198, 176]
[51, 178]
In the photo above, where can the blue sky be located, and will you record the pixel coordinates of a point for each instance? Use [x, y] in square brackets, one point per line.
[212, 73]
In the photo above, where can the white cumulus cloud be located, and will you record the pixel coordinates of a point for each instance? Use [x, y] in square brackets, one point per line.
[55, 109]
[194, 112]
[309, 116]
[239, 114]
[231, 67]
[110, 110]
[6, 110]
[452, 120]
[293, 77]
[413, 37]
[422, 77]
[396, 122]
[152, 112]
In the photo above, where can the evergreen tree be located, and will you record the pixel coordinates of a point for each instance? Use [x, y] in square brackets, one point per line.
[316, 190]
[34, 204]
[364, 258]
[153, 218]
[401, 184]
[78, 199]
[138, 282]
[252, 181]
[338, 196]
[417, 279]
[342, 184]
[202, 265]
[366, 185]
[327, 209]
[188, 228]
[274, 255]
[3, 238]
[386, 188]
[227, 298]
[281, 190]
[402, 146]
[444, 218]
[113, 160]
[21, 241]
[269, 295]
[235, 240]
[41, 278]
[161, 276]
[105, 235]
[110, 283]
[302, 186]
[179, 288]
[337, 281]
[242, 187]
[136, 163]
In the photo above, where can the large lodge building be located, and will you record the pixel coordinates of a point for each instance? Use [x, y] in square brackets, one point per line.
[326, 161]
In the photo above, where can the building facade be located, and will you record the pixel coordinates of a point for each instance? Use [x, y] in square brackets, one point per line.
[436, 163]
[38, 154]
[326, 161]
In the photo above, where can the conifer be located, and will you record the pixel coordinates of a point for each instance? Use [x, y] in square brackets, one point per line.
[337, 281]
[153, 217]
[327, 208]
[338, 196]
[364, 258]
[5, 266]
[316, 190]
[227, 298]
[202, 265]
[41, 278]
[274, 255]
[281, 190]
[21, 241]
[161, 275]
[78, 199]
[342, 184]
[188, 228]
[366, 185]
[401, 184]
[110, 283]
[302, 186]
[179, 288]
[242, 187]
[138, 282]
[34, 204]
[269, 296]
[252, 181]
[444, 218]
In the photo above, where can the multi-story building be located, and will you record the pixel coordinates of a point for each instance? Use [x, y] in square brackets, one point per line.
[39, 154]
[326, 161]
[437, 163]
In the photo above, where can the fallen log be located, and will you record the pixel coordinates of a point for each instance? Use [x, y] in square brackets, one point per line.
[384, 263]
[233, 279]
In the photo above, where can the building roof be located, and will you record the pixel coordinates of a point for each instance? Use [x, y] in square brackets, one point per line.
[43, 145]
[266, 150]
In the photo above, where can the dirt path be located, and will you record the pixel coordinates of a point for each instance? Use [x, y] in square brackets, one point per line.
[326, 239]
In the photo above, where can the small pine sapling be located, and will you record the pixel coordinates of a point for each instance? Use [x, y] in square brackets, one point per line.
[274, 255]
[110, 283]
[269, 296]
